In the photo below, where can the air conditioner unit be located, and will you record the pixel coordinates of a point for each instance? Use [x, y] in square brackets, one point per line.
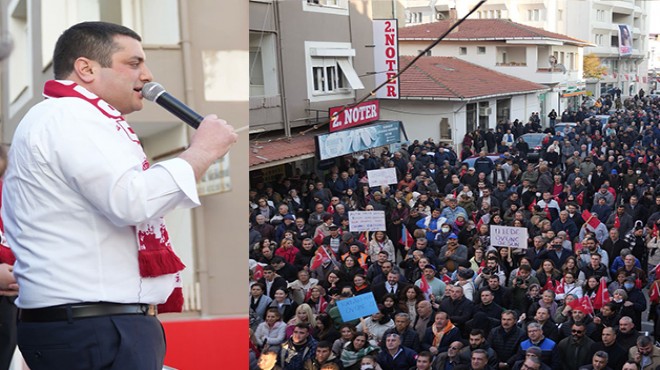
[485, 111]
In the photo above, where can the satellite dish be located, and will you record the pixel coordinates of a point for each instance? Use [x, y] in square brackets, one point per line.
[6, 46]
[552, 60]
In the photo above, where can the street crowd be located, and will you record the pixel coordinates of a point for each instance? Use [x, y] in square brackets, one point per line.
[575, 298]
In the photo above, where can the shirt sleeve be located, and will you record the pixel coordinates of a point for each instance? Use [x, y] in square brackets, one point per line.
[104, 164]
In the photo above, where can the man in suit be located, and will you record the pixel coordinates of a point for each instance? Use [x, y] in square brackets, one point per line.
[391, 286]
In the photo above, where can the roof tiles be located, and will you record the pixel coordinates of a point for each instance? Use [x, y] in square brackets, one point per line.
[453, 78]
[494, 29]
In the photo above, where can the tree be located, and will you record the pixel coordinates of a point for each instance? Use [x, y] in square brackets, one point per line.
[592, 67]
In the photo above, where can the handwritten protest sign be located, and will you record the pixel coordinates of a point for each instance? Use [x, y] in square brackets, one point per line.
[355, 307]
[385, 176]
[508, 236]
[366, 221]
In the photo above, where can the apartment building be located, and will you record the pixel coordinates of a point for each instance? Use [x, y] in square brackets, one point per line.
[595, 21]
[306, 56]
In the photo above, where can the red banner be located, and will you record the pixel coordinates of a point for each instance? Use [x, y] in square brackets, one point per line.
[360, 114]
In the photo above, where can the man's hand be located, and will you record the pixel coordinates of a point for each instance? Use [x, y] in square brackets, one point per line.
[211, 141]
[8, 286]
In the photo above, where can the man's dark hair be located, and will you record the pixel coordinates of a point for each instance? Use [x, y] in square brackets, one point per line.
[426, 354]
[324, 344]
[269, 268]
[632, 363]
[277, 259]
[303, 325]
[92, 40]
[478, 332]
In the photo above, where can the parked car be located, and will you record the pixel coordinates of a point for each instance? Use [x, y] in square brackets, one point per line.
[535, 142]
[604, 120]
[470, 161]
[562, 127]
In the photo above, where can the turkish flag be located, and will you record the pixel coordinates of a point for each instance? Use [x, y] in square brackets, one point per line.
[320, 258]
[319, 238]
[602, 295]
[406, 239]
[548, 285]
[580, 198]
[363, 238]
[532, 205]
[258, 272]
[654, 294]
[425, 287]
[617, 222]
[560, 287]
[590, 219]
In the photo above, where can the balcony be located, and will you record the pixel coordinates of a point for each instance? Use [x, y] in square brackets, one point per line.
[512, 64]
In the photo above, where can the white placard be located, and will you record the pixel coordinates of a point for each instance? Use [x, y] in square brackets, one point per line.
[366, 221]
[508, 236]
[385, 176]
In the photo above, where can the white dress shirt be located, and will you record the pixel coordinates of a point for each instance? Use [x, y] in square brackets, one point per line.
[74, 190]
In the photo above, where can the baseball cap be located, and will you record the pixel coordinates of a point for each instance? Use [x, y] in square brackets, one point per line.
[452, 236]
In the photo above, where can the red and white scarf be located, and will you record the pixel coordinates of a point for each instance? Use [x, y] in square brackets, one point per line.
[155, 254]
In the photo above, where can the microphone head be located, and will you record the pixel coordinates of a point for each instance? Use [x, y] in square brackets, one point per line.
[152, 90]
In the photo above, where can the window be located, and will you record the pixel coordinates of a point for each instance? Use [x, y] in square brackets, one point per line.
[263, 65]
[339, 7]
[537, 15]
[427, 53]
[560, 15]
[330, 71]
[445, 129]
[462, 50]
[20, 64]
[481, 50]
[415, 17]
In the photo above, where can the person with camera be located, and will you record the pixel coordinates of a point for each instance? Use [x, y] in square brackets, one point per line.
[492, 269]
[519, 286]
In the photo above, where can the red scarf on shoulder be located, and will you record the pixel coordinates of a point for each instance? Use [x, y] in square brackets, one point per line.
[155, 254]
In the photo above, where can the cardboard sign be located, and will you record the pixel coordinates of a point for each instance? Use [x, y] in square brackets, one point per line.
[508, 236]
[384, 176]
[366, 221]
[355, 307]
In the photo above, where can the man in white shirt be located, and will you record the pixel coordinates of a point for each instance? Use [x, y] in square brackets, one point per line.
[83, 210]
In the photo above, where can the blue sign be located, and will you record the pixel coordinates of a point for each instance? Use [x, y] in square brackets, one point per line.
[355, 307]
[353, 140]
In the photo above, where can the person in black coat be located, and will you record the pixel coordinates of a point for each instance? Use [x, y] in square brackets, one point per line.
[457, 306]
[271, 278]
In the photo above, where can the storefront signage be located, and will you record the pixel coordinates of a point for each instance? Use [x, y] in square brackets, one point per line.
[360, 114]
[386, 57]
[336, 144]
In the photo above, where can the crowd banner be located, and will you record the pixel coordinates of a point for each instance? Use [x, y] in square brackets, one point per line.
[508, 236]
[385, 176]
[356, 307]
[366, 221]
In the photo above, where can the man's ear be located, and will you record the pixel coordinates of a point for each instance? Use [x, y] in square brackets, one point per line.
[85, 69]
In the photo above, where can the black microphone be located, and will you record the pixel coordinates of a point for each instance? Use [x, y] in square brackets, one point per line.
[155, 92]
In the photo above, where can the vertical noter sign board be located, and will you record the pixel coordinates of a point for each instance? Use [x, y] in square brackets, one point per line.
[386, 57]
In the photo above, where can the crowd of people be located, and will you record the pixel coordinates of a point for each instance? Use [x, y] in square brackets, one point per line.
[447, 298]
